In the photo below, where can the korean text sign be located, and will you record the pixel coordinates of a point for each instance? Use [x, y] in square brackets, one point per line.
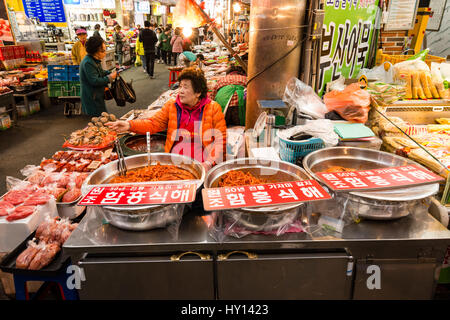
[140, 195]
[346, 36]
[262, 195]
[386, 178]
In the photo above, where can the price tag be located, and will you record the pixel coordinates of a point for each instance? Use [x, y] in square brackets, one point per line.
[385, 178]
[94, 165]
[140, 195]
[262, 195]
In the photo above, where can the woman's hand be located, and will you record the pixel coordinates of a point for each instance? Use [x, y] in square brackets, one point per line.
[113, 75]
[119, 126]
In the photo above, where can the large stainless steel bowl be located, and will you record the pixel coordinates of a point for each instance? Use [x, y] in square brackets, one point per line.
[380, 205]
[265, 218]
[143, 217]
[366, 159]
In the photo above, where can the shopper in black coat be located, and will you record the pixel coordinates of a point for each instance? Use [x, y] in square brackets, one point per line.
[149, 40]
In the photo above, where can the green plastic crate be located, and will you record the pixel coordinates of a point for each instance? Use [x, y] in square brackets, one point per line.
[74, 88]
[57, 88]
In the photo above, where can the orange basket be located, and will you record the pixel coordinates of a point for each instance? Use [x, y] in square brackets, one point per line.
[383, 57]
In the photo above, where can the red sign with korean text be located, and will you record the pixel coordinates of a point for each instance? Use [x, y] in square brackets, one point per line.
[386, 178]
[262, 195]
[139, 195]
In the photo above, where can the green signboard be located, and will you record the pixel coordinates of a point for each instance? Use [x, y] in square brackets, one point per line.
[347, 33]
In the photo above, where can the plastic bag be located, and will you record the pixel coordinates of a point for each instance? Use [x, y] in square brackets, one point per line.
[138, 61]
[352, 104]
[229, 224]
[379, 73]
[322, 128]
[122, 92]
[418, 80]
[304, 98]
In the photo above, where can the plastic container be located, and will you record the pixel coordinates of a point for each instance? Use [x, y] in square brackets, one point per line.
[74, 89]
[5, 122]
[292, 150]
[57, 88]
[14, 232]
[73, 73]
[399, 58]
[57, 73]
[22, 110]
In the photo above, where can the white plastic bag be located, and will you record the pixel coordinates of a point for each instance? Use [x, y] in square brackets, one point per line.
[378, 73]
[323, 129]
[304, 98]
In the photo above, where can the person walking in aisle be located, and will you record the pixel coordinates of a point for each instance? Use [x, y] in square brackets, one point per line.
[118, 39]
[166, 48]
[141, 53]
[177, 46]
[159, 58]
[149, 39]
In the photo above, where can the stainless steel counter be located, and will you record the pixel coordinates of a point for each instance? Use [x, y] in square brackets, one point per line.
[95, 236]
[119, 264]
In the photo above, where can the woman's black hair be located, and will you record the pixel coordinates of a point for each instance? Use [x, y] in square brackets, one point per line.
[160, 30]
[200, 56]
[198, 80]
[97, 26]
[177, 32]
[93, 44]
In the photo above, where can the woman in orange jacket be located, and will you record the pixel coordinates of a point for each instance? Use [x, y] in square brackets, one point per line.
[195, 124]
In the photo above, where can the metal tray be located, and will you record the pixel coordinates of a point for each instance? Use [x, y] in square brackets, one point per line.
[365, 159]
[55, 268]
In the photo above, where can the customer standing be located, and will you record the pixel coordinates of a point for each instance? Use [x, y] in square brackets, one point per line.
[201, 34]
[141, 53]
[79, 48]
[118, 40]
[166, 48]
[177, 45]
[149, 39]
[158, 46]
[93, 78]
[97, 31]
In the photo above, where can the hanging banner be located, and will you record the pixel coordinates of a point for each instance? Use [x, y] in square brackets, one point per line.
[347, 33]
[51, 11]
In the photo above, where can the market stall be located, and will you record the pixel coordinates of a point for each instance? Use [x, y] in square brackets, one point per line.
[344, 193]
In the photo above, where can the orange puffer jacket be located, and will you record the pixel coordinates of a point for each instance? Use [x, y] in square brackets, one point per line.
[167, 118]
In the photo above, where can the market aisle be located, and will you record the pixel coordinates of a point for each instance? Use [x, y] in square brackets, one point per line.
[41, 135]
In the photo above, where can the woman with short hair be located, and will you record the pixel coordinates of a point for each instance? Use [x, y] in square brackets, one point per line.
[195, 124]
[93, 79]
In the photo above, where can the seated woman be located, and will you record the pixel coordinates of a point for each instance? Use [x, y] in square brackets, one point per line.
[229, 91]
[195, 125]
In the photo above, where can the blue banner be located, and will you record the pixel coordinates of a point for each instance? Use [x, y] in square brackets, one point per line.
[51, 11]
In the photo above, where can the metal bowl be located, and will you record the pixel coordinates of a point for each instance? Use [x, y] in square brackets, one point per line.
[157, 143]
[143, 217]
[366, 159]
[266, 218]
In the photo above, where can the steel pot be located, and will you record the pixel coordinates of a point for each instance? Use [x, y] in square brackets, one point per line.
[266, 218]
[143, 217]
[384, 204]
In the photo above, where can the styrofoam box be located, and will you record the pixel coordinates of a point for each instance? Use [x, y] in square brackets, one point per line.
[14, 232]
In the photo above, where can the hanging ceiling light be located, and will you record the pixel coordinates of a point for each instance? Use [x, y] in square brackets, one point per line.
[237, 7]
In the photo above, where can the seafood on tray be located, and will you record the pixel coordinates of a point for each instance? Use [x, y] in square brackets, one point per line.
[91, 137]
